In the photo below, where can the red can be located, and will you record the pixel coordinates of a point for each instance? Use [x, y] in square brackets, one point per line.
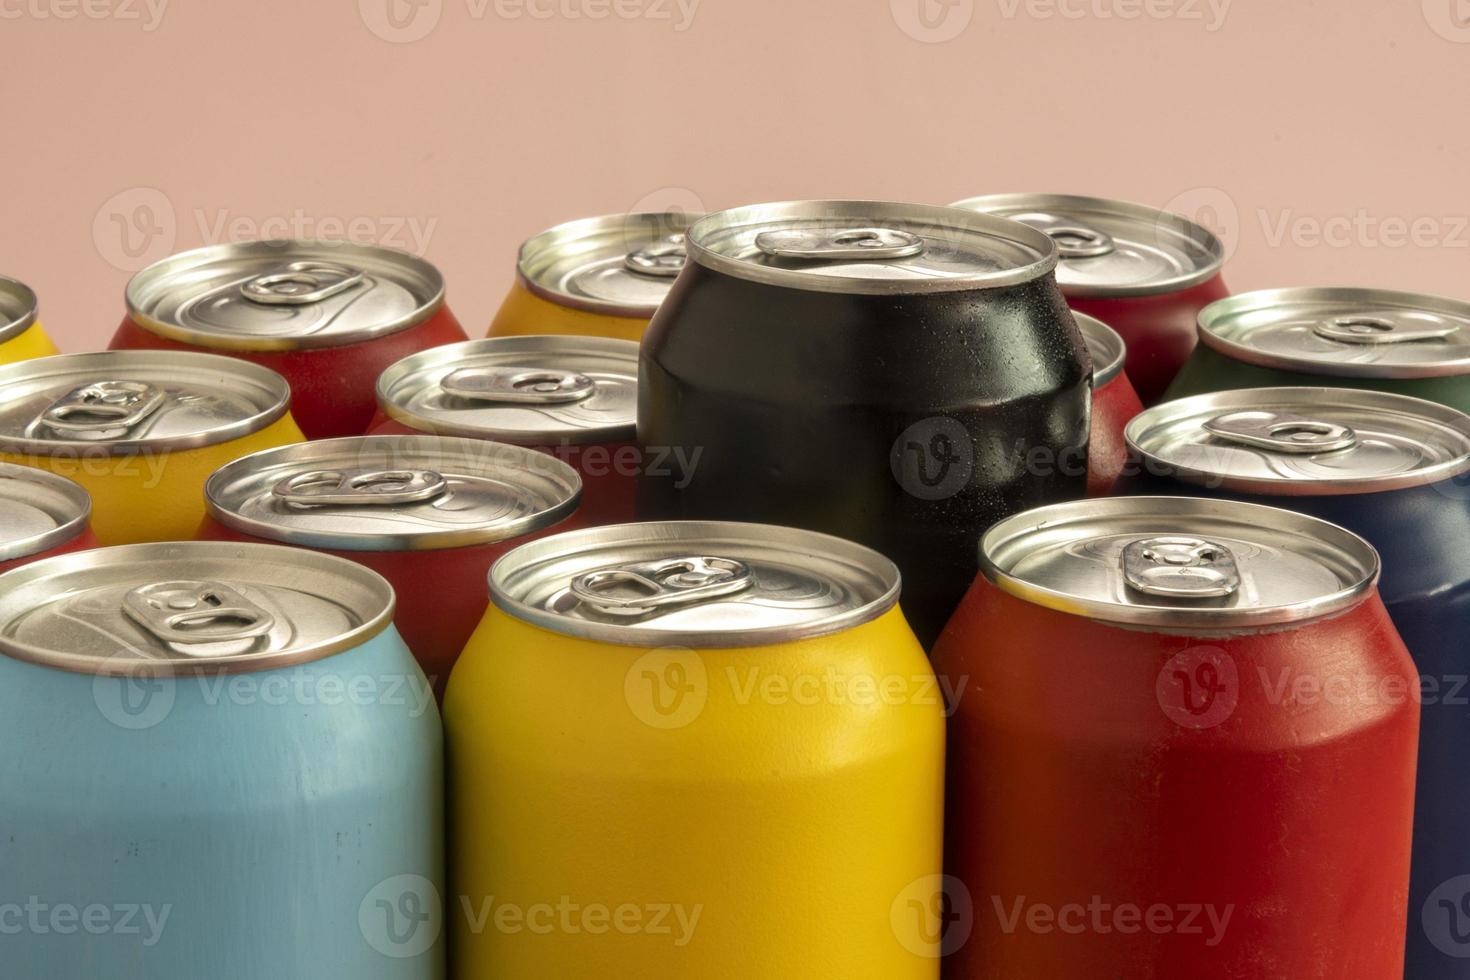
[1114, 403]
[328, 316]
[1183, 743]
[41, 514]
[575, 398]
[429, 514]
[1144, 272]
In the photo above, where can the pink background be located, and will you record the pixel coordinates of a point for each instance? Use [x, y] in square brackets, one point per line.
[1325, 141]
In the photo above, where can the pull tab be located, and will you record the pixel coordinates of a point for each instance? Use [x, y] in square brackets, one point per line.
[663, 259]
[300, 283]
[1180, 568]
[847, 243]
[1074, 240]
[640, 587]
[1279, 432]
[360, 488]
[519, 385]
[1381, 328]
[191, 613]
[102, 407]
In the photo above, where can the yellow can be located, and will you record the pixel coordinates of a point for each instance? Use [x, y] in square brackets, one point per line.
[141, 430]
[21, 337]
[694, 750]
[595, 277]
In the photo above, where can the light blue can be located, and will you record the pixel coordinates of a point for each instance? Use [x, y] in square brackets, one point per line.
[216, 761]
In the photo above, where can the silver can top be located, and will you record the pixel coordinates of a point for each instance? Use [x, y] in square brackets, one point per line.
[1303, 441]
[531, 391]
[17, 308]
[1342, 332]
[1106, 346]
[1113, 248]
[38, 511]
[284, 295]
[694, 584]
[870, 247]
[393, 493]
[616, 265]
[134, 400]
[177, 607]
[1179, 563]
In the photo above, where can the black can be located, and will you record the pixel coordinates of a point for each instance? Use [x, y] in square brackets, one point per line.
[900, 375]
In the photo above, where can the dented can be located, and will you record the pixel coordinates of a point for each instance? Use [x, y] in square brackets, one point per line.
[21, 336]
[1114, 404]
[41, 514]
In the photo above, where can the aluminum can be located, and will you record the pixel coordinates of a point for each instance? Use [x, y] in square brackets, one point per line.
[141, 430]
[595, 277]
[328, 316]
[899, 375]
[1153, 727]
[21, 336]
[219, 761]
[428, 514]
[41, 514]
[639, 731]
[1114, 404]
[1144, 272]
[575, 398]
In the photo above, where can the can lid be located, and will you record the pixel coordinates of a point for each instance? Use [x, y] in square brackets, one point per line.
[1113, 248]
[870, 247]
[1179, 562]
[1342, 332]
[1303, 441]
[17, 308]
[177, 607]
[617, 264]
[134, 400]
[532, 391]
[38, 510]
[1106, 346]
[284, 295]
[694, 584]
[393, 493]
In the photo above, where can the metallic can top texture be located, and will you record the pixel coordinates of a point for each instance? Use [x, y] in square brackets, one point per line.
[701, 584]
[618, 265]
[1342, 332]
[393, 493]
[1179, 563]
[869, 247]
[121, 401]
[1106, 347]
[284, 295]
[539, 390]
[1113, 248]
[1302, 441]
[38, 511]
[17, 308]
[176, 607]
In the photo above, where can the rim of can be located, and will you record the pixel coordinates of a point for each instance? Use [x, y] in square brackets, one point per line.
[1358, 559]
[69, 504]
[375, 611]
[164, 278]
[1106, 346]
[1211, 249]
[911, 219]
[258, 472]
[18, 308]
[607, 236]
[89, 367]
[1430, 417]
[680, 538]
[522, 351]
[1220, 316]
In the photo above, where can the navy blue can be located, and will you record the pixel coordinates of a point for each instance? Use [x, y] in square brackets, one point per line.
[1394, 470]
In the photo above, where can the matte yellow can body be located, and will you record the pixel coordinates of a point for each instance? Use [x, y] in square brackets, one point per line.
[524, 313]
[154, 495]
[620, 812]
[29, 343]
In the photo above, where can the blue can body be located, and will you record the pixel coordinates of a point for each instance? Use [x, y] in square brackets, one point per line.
[282, 824]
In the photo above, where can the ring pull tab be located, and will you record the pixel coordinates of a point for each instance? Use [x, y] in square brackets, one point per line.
[300, 283]
[1180, 568]
[1381, 328]
[195, 613]
[663, 259]
[1281, 432]
[360, 488]
[519, 385]
[840, 244]
[101, 408]
[642, 587]
[1074, 240]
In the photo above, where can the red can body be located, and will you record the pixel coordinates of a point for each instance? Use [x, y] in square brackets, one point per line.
[1073, 791]
[81, 542]
[1114, 404]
